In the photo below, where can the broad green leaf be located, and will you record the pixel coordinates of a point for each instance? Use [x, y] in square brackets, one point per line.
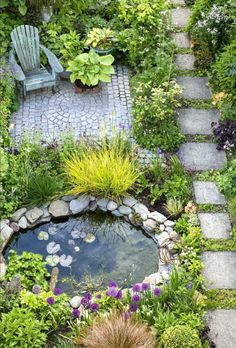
[22, 9]
[3, 3]
[104, 78]
[105, 69]
[107, 60]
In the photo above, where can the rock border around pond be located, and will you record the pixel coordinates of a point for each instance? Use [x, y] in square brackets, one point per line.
[155, 224]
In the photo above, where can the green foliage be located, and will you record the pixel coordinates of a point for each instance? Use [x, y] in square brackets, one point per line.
[90, 68]
[173, 207]
[29, 267]
[178, 187]
[19, 328]
[9, 294]
[7, 24]
[100, 38]
[19, 4]
[221, 299]
[70, 46]
[180, 336]
[220, 244]
[227, 180]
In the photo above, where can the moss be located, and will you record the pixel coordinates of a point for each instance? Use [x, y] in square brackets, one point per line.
[199, 138]
[197, 104]
[221, 299]
[192, 73]
[204, 208]
[219, 245]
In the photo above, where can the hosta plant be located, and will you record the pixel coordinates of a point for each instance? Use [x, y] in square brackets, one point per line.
[90, 68]
[100, 38]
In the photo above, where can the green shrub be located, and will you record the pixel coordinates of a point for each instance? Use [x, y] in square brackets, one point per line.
[180, 336]
[178, 187]
[29, 267]
[19, 328]
[227, 180]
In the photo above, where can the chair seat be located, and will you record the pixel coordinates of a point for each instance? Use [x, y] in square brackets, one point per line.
[39, 79]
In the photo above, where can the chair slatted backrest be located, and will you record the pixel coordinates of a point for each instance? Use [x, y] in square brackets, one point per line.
[25, 39]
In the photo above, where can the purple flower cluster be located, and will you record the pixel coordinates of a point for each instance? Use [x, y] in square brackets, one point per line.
[87, 303]
[113, 290]
[50, 300]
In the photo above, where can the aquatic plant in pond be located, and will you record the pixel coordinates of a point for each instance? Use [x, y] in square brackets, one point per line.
[92, 244]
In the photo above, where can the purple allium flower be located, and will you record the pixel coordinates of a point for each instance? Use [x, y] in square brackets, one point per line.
[133, 307]
[157, 292]
[136, 298]
[119, 295]
[36, 289]
[50, 300]
[94, 307]
[76, 313]
[126, 315]
[112, 292]
[99, 296]
[57, 291]
[88, 296]
[136, 288]
[145, 286]
[84, 302]
[112, 284]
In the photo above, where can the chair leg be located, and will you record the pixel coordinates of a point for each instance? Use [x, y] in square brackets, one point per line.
[24, 93]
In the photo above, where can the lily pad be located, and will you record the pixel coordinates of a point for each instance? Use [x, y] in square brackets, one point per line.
[65, 261]
[76, 234]
[52, 260]
[52, 230]
[90, 238]
[71, 242]
[42, 235]
[77, 249]
[53, 248]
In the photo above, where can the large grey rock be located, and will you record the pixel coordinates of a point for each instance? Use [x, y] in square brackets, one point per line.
[222, 324]
[180, 17]
[206, 192]
[140, 208]
[59, 208]
[18, 214]
[157, 217]
[23, 223]
[6, 232]
[220, 269]
[185, 61]
[102, 203]
[193, 121]
[68, 198]
[34, 214]
[202, 156]
[93, 205]
[215, 225]
[116, 213]
[181, 40]
[129, 201]
[75, 301]
[80, 204]
[124, 210]
[112, 206]
[194, 87]
[150, 225]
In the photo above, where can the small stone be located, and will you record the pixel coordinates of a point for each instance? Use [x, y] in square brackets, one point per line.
[80, 204]
[144, 216]
[157, 217]
[140, 208]
[93, 205]
[150, 225]
[171, 247]
[23, 223]
[69, 198]
[153, 279]
[3, 269]
[169, 229]
[59, 208]
[116, 213]
[46, 213]
[124, 210]
[102, 203]
[15, 226]
[33, 215]
[162, 237]
[132, 219]
[75, 301]
[111, 206]
[18, 214]
[6, 232]
[169, 223]
[174, 236]
[162, 227]
[129, 201]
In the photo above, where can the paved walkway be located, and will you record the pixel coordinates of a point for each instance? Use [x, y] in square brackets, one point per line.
[84, 114]
[219, 267]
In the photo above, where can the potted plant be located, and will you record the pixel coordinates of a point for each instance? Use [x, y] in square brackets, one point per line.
[101, 40]
[88, 69]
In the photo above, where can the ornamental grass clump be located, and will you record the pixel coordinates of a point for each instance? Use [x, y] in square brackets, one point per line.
[108, 171]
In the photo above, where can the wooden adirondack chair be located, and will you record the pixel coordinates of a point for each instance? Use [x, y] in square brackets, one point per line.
[29, 72]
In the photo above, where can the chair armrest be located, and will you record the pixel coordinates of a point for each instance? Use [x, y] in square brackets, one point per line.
[17, 72]
[52, 59]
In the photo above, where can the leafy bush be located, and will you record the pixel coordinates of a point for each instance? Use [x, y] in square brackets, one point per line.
[19, 328]
[106, 172]
[180, 336]
[178, 187]
[225, 133]
[29, 267]
[227, 180]
[174, 207]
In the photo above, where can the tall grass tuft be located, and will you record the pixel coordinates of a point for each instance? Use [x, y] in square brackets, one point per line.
[118, 332]
[107, 171]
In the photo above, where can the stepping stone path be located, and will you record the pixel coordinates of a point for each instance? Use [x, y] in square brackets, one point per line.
[219, 267]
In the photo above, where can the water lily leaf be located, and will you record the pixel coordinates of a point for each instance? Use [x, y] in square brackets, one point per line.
[53, 248]
[52, 230]
[65, 261]
[78, 234]
[89, 238]
[42, 235]
[71, 242]
[52, 260]
[77, 248]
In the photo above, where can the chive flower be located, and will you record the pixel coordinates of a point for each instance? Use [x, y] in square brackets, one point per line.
[76, 313]
[145, 286]
[136, 288]
[112, 292]
[94, 307]
[136, 298]
[157, 292]
[133, 307]
[50, 300]
[57, 291]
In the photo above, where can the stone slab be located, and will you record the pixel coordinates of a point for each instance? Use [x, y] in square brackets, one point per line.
[185, 61]
[201, 156]
[206, 192]
[222, 325]
[181, 40]
[220, 269]
[215, 225]
[194, 121]
[180, 17]
[178, 2]
[194, 87]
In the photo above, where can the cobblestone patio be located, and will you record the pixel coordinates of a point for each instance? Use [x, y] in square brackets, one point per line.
[85, 114]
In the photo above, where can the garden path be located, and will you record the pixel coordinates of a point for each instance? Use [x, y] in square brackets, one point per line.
[219, 267]
[85, 114]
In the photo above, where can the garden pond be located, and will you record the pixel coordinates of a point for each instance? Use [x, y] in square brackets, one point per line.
[92, 246]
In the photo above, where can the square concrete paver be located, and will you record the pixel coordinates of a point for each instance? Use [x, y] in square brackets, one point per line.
[185, 61]
[193, 121]
[181, 40]
[206, 192]
[222, 325]
[215, 225]
[201, 156]
[178, 2]
[194, 87]
[220, 269]
[180, 17]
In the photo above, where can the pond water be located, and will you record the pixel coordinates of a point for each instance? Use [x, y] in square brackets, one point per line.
[95, 245]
